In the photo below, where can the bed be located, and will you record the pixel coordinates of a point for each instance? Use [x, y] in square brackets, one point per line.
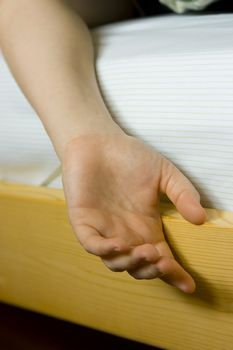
[169, 81]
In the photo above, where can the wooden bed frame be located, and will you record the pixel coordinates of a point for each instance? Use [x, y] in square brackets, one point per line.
[43, 268]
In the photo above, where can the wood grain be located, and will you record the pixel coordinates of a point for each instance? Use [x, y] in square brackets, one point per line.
[43, 268]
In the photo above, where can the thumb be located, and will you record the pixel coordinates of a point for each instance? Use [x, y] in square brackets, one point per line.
[182, 193]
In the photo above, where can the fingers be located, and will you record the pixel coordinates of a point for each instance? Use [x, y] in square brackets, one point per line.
[174, 274]
[115, 252]
[94, 243]
[164, 266]
[182, 193]
[167, 269]
[170, 271]
[143, 254]
[148, 271]
[145, 261]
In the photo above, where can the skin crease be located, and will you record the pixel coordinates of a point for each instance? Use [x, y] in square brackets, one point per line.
[112, 185]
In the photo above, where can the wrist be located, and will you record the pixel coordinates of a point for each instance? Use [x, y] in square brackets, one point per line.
[69, 133]
[92, 146]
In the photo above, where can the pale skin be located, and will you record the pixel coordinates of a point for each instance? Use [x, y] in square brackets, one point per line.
[111, 180]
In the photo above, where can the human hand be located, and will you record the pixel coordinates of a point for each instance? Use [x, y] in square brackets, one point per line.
[112, 184]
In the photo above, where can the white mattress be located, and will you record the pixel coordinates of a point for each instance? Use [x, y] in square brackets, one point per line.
[167, 80]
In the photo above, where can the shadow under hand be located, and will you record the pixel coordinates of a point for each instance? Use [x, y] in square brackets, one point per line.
[213, 295]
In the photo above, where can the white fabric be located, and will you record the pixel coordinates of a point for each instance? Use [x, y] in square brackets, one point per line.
[167, 80]
[26, 153]
[181, 6]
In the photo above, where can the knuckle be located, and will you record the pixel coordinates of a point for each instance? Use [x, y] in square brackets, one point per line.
[150, 273]
[117, 268]
[136, 276]
[114, 267]
[86, 247]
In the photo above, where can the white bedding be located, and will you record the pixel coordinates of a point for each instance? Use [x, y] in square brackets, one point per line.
[167, 80]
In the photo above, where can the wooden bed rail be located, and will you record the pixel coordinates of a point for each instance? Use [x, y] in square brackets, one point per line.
[43, 268]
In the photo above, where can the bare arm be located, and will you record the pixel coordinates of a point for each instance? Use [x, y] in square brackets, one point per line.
[49, 50]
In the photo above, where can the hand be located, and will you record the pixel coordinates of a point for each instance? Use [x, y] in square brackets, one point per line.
[112, 184]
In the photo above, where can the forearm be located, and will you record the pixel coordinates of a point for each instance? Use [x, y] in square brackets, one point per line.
[49, 50]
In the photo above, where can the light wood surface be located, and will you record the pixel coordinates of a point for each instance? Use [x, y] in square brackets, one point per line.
[43, 268]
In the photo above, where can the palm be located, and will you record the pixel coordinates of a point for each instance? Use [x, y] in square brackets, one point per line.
[111, 186]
